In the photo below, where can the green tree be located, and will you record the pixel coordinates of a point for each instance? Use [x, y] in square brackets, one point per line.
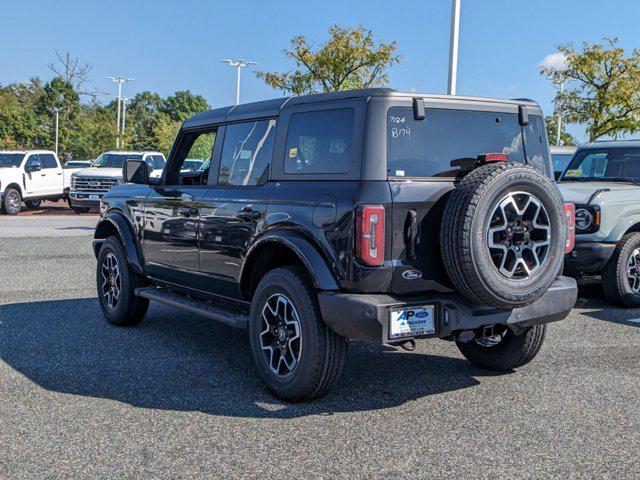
[142, 118]
[350, 59]
[20, 124]
[602, 88]
[184, 104]
[552, 131]
[60, 94]
[165, 131]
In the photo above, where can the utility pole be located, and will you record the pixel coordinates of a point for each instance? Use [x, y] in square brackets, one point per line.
[57, 110]
[124, 117]
[559, 117]
[239, 64]
[453, 47]
[119, 81]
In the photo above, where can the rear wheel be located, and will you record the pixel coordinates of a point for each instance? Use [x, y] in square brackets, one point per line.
[503, 235]
[297, 356]
[116, 283]
[621, 274]
[12, 201]
[504, 350]
[33, 204]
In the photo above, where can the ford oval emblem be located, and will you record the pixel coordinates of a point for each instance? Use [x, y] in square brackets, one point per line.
[411, 274]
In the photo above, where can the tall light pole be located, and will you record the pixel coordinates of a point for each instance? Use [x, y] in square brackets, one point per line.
[453, 47]
[239, 64]
[124, 117]
[559, 116]
[119, 81]
[57, 110]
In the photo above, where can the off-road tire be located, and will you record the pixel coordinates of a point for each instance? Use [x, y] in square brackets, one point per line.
[33, 204]
[130, 310]
[614, 276]
[512, 352]
[322, 350]
[9, 205]
[463, 237]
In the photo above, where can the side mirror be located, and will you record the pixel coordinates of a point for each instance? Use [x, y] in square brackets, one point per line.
[34, 166]
[136, 171]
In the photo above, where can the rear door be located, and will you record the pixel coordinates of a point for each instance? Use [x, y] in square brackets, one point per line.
[234, 208]
[421, 162]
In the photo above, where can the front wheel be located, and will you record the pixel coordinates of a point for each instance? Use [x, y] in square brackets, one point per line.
[116, 283]
[621, 274]
[505, 350]
[297, 356]
[12, 202]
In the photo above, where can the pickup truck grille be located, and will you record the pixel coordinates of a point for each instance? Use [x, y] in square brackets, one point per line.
[92, 184]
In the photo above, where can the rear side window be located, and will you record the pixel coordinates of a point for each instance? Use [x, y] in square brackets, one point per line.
[429, 147]
[48, 160]
[319, 142]
[246, 153]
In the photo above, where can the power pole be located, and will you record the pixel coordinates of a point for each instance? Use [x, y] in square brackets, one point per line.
[239, 64]
[119, 81]
[453, 47]
[57, 110]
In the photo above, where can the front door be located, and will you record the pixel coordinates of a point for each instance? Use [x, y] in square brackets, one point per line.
[172, 213]
[35, 181]
[233, 210]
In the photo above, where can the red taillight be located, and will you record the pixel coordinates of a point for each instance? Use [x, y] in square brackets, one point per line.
[570, 214]
[370, 234]
[493, 157]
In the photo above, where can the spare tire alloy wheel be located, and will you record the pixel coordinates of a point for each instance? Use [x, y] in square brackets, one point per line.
[633, 271]
[280, 338]
[518, 236]
[111, 281]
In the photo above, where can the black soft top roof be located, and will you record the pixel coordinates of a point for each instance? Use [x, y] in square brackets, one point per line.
[272, 108]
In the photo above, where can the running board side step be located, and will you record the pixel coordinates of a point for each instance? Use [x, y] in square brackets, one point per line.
[237, 320]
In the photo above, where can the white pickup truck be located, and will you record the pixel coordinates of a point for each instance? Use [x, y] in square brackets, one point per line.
[89, 184]
[31, 176]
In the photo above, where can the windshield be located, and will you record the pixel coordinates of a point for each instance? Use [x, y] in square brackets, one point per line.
[11, 159]
[114, 160]
[560, 161]
[604, 164]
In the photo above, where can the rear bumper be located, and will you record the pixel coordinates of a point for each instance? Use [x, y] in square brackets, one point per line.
[588, 258]
[366, 317]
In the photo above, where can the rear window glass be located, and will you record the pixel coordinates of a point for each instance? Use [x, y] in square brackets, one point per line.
[319, 142]
[536, 146]
[427, 148]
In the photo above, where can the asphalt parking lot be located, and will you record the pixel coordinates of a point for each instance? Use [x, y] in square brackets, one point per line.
[177, 396]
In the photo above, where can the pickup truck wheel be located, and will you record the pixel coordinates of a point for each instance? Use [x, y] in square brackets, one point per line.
[504, 351]
[297, 356]
[503, 235]
[33, 204]
[12, 201]
[116, 283]
[621, 274]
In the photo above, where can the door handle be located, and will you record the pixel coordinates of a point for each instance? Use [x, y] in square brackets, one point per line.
[188, 212]
[248, 213]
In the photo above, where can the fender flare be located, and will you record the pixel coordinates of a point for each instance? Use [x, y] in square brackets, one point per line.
[307, 253]
[623, 227]
[125, 232]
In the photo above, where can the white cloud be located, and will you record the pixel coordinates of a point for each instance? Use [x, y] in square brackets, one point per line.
[554, 61]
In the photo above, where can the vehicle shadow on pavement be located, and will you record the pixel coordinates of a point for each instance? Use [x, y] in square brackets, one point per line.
[175, 361]
[592, 297]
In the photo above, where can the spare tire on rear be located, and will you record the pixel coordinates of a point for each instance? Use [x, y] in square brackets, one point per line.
[503, 235]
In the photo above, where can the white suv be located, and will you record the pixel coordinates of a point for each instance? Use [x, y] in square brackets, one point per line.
[30, 176]
[90, 184]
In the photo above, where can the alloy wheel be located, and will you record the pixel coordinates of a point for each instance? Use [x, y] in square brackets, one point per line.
[280, 336]
[111, 281]
[519, 235]
[633, 270]
[13, 202]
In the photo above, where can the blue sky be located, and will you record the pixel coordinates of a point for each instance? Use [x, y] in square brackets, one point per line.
[170, 45]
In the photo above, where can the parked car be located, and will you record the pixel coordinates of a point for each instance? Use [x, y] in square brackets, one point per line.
[367, 214]
[190, 165]
[603, 180]
[90, 184]
[561, 155]
[77, 164]
[30, 176]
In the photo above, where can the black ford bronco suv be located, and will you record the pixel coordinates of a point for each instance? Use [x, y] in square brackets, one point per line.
[368, 214]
